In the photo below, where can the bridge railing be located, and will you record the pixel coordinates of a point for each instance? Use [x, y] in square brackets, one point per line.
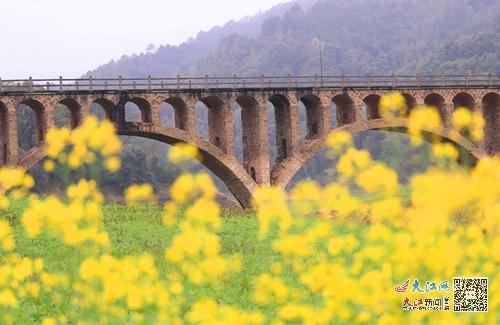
[236, 82]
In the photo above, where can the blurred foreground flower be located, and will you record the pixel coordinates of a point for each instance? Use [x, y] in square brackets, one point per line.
[183, 152]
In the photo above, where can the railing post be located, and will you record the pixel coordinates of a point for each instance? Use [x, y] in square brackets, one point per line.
[289, 80]
[91, 86]
[206, 82]
[190, 84]
[60, 84]
[262, 81]
[120, 83]
[368, 81]
[393, 80]
[466, 80]
[134, 85]
[77, 85]
[178, 81]
[105, 85]
[149, 82]
[1, 86]
[48, 86]
[30, 84]
[342, 80]
[443, 81]
[162, 84]
[418, 81]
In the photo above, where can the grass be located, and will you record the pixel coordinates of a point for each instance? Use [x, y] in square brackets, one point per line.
[139, 230]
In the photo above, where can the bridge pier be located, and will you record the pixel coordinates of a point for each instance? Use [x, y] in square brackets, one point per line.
[10, 146]
[490, 109]
[286, 126]
[220, 125]
[317, 115]
[84, 110]
[255, 139]
[3, 134]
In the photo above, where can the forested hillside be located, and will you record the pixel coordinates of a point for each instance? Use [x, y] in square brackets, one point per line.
[358, 37]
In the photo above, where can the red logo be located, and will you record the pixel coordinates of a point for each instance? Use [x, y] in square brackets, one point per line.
[403, 287]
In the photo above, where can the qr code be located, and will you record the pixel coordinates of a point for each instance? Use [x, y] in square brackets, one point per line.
[470, 294]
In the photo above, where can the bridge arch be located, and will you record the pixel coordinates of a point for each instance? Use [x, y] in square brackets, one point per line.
[180, 111]
[371, 101]
[104, 104]
[287, 170]
[283, 126]
[74, 109]
[40, 119]
[225, 167]
[315, 116]
[411, 102]
[437, 101]
[345, 109]
[464, 99]
[142, 105]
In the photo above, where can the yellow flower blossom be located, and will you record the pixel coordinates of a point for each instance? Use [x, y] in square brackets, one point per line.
[422, 119]
[352, 161]
[392, 105]
[337, 141]
[139, 193]
[182, 152]
[444, 151]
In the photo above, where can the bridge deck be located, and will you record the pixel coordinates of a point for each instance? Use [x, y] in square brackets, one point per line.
[237, 84]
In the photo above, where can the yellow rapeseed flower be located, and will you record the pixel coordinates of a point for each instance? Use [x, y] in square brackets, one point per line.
[183, 152]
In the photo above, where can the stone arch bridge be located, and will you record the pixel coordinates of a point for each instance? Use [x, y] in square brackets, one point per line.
[355, 100]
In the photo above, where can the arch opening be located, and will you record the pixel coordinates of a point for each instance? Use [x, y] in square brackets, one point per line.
[345, 110]
[468, 155]
[464, 100]
[491, 114]
[237, 131]
[372, 102]
[102, 108]
[332, 108]
[314, 116]
[202, 127]
[67, 113]
[437, 101]
[411, 103]
[138, 109]
[234, 177]
[143, 161]
[284, 128]
[252, 174]
[167, 115]
[180, 112]
[31, 124]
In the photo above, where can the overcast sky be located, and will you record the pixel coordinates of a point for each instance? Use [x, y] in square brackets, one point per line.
[48, 38]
